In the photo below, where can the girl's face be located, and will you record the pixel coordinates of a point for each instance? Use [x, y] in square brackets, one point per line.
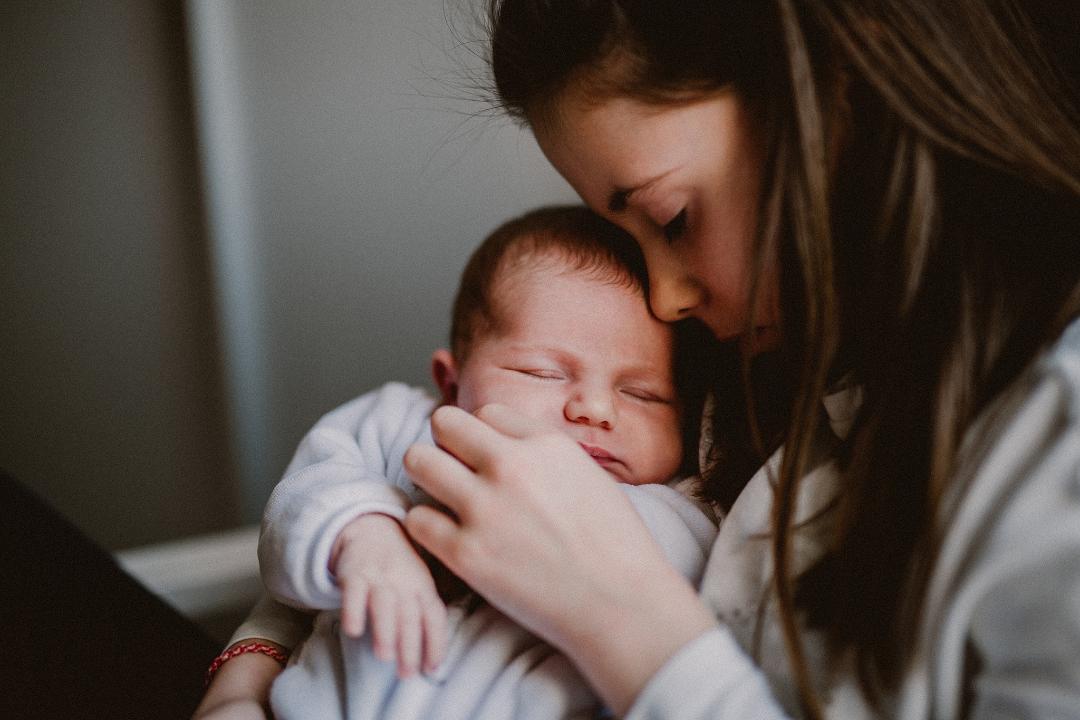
[684, 180]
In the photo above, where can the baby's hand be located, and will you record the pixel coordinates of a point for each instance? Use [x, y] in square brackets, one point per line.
[382, 576]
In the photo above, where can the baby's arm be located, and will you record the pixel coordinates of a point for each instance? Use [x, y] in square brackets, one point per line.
[382, 576]
[329, 539]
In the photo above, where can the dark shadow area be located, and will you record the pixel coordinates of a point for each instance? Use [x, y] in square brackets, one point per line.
[84, 639]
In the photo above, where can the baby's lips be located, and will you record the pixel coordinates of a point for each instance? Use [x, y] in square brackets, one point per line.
[596, 452]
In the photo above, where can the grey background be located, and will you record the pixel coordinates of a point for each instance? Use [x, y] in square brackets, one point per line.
[219, 220]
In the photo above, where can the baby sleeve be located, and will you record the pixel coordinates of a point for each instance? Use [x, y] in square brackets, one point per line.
[679, 525]
[349, 464]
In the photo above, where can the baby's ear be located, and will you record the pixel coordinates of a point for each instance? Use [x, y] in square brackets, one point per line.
[444, 371]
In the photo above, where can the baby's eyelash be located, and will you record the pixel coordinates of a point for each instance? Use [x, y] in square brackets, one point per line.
[646, 396]
[676, 227]
[540, 373]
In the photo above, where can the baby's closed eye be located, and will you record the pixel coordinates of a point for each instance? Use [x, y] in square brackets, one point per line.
[647, 395]
[542, 373]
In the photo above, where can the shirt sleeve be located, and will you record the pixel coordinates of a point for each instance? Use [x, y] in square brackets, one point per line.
[1005, 636]
[708, 678]
[349, 464]
[1025, 638]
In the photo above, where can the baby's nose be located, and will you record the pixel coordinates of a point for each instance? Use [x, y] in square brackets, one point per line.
[591, 407]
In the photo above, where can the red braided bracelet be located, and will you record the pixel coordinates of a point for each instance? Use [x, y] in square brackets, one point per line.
[237, 650]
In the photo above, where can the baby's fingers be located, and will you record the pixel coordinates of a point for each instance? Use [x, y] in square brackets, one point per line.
[408, 635]
[354, 597]
[384, 623]
[433, 612]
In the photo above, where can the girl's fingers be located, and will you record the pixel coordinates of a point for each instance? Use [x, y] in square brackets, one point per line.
[441, 475]
[434, 530]
[509, 422]
[353, 607]
[465, 436]
[383, 623]
[409, 639]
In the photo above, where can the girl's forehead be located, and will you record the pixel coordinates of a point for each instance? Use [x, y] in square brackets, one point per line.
[622, 142]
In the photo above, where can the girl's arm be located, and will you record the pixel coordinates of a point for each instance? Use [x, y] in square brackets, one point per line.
[240, 689]
[597, 586]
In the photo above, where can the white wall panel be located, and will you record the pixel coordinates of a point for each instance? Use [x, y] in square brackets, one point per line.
[351, 175]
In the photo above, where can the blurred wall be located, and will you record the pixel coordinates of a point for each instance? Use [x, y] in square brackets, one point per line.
[110, 403]
[219, 220]
[351, 171]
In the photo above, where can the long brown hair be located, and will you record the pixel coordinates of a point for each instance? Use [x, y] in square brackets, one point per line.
[929, 263]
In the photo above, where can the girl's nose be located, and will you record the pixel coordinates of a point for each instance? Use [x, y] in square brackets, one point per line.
[591, 407]
[673, 293]
[673, 297]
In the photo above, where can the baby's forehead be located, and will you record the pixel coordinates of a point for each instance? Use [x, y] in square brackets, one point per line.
[555, 286]
[560, 288]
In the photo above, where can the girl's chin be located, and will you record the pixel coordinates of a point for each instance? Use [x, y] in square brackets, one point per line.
[763, 339]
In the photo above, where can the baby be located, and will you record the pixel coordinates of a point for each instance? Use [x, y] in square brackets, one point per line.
[550, 320]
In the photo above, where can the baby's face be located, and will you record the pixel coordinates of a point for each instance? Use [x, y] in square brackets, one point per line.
[585, 357]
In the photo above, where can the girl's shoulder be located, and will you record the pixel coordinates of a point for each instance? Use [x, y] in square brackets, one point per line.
[998, 607]
[1062, 363]
[1027, 444]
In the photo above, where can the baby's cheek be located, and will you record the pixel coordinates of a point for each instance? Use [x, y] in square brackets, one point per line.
[663, 441]
[530, 401]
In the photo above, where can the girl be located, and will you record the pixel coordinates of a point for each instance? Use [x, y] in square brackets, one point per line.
[886, 195]
[878, 205]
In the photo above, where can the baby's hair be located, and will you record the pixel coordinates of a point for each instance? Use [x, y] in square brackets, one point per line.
[570, 235]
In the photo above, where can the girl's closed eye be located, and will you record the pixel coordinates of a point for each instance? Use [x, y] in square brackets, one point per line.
[676, 227]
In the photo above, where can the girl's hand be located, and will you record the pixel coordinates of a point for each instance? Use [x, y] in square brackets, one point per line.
[545, 535]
